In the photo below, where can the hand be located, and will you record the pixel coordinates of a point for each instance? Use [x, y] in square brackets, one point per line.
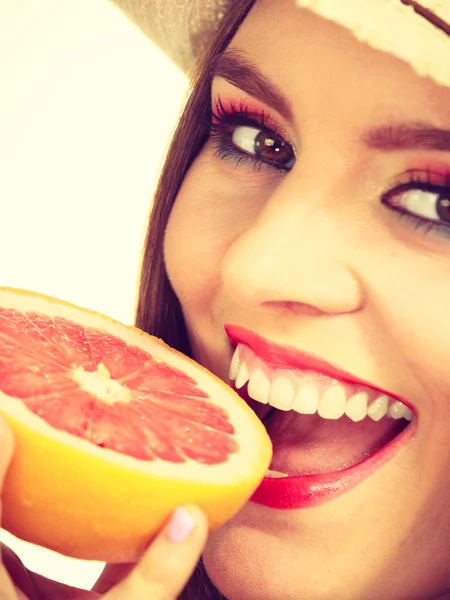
[167, 565]
[161, 574]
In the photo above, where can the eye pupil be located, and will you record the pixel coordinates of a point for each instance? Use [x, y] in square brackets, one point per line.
[443, 208]
[272, 148]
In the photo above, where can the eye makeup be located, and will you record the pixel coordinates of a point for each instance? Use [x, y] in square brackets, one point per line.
[244, 135]
[421, 199]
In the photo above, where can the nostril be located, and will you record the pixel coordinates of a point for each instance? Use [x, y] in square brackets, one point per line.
[296, 308]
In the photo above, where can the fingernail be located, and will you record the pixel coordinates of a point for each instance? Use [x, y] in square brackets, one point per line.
[181, 525]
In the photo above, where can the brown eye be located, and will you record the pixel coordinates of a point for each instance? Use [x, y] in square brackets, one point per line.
[429, 202]
[263, 144]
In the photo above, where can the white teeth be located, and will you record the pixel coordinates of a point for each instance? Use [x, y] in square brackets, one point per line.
[242, 377]
[275, 474]
[303, 395]
[356, 407]
[306, 400]
[332, 403]
[282, 393]
[259, 387]
[378, 408]
[398, 410]
[235, 364]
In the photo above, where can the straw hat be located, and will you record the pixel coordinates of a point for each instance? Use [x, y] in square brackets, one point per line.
[417, 32]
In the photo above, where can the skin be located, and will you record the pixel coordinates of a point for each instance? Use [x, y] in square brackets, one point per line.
[281, 261]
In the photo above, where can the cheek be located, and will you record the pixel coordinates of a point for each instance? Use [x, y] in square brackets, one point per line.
[198, 234]
[188, 266]
[422, 319]
[409, 295]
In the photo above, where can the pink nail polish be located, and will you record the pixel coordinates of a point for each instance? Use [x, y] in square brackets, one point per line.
[181, 525]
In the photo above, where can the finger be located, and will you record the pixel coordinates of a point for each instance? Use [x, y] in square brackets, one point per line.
[112, 575]
[169, 562]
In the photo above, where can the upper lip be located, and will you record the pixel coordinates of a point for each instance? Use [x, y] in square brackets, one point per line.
[289, 357]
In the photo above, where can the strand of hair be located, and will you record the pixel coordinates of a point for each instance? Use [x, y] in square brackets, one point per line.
[429, 15]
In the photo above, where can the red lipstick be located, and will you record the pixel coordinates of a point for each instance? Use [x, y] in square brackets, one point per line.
[312, 490]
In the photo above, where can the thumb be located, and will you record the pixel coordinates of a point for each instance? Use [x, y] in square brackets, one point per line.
[170, 560]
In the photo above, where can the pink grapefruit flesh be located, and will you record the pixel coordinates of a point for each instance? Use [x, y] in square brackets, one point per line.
[113, 430]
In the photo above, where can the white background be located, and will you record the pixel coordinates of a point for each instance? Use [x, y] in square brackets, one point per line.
[87, 105]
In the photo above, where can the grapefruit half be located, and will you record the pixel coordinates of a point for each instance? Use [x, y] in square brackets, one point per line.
[114, 429]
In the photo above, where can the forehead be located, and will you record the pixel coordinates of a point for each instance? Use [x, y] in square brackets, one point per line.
[319, 63]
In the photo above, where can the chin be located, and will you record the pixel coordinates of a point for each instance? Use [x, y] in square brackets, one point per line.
[247, 562]
[250, 558]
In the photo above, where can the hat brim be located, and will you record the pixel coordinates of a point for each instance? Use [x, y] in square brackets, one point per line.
[396, 27]
[417, 32]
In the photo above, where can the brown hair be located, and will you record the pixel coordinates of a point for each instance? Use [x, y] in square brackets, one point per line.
[159, 311]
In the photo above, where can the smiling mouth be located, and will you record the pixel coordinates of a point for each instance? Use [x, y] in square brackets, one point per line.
[317, 424]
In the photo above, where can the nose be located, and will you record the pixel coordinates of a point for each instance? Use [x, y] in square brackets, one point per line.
[295, 255]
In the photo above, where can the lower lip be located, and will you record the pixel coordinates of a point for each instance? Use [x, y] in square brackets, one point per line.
[312, 490]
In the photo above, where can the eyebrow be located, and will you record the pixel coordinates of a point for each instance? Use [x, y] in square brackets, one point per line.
[234, 66]
[407, 136]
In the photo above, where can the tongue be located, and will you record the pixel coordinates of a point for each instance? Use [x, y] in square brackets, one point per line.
[309, 444]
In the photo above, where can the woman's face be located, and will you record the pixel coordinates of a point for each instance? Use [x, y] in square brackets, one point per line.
[332, 236]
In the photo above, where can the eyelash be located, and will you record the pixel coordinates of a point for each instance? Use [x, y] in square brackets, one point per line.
[238, 114]
[422, 181]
